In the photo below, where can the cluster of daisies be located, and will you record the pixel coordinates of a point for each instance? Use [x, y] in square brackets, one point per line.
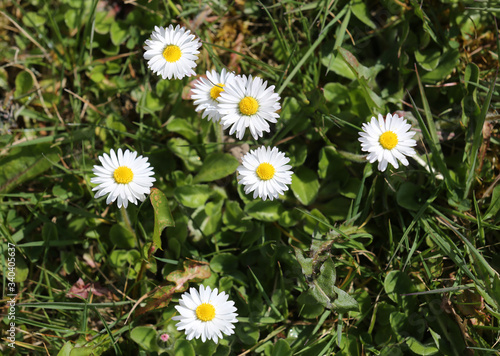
[236, 102]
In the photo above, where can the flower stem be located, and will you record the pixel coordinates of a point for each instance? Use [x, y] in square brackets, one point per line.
[126, 220]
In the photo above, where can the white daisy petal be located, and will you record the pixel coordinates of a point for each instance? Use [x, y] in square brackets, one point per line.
[387, 141]
[263, 171]
[206, 93]
[124, 176]
[248, 102]
[205, 314]
[171, 52]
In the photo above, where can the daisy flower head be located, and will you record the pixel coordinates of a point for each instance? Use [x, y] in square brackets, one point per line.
[172, 52]
[206, 93]
[387, 141]
[265, 172]
[124, 176]
[248, 102]
[206, 314]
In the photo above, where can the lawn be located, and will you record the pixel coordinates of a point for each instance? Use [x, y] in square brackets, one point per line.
[204, 177]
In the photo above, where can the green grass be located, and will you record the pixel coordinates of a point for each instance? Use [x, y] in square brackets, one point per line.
[350, 261]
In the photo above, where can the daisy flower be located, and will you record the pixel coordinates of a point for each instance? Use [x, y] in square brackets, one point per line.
[248, 102]
[265, 172]
[387, 141]
[205, 313]
[172, 52]
[206, 93]
[125, 177]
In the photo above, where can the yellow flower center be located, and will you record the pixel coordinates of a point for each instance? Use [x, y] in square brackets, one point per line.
[216, 90]
[265, 171]
[172, 53]
[248, 106]
[123, 175]
[388, 140]
[205, 312]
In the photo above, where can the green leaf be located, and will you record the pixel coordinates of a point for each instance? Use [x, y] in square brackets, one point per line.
[297, 154]
[305, 185]
[121, 237]
[201, 348]
[397, 283]
[163, 216]
[181, 126]
[320, 296]
[363, 73]
[351, 188]
[97, 73]
[447, 63]
[419, 348]
[224, 263]
[338, 66]
[183, 348]
[305, 262]
[407, 196]
[154, 103]
[103, 22]
[66, 349]
[360, 10]
[247, 334]
[208, 218]
[24, 83]
[264, 210]
[184, 151]
[25, 163]
[70, 18]
[192, 196]
[332, 163]
[33, 19]
[309, 306]
[216, 166]
[336, 92]
[222, 350]
[289, 218]
[119, 33]
[126, 261]
[234, 218]
[428, 58]
[281, 348]
[326, 278]
[145, 337]
[344, 302]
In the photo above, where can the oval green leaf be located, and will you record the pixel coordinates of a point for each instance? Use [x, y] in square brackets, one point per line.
[264, 210]
[183, 348]
[216, 166]
[163, 216]
[192, 196]
[24, 83]
[145, 337]
[305, 185]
